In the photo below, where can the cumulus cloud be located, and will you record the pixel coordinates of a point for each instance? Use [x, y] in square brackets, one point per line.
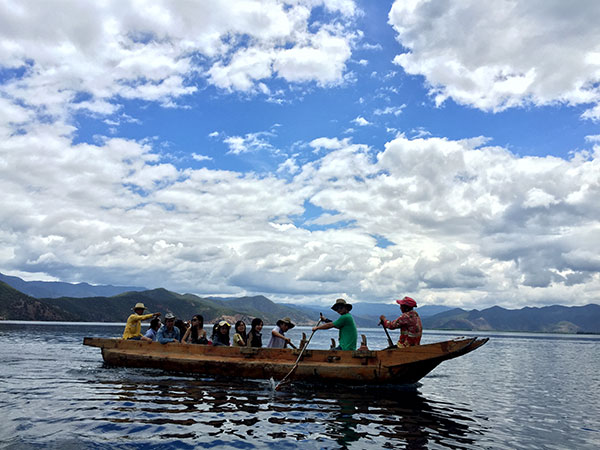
[361, 121]
[198, 157]
[250, 142]
[467, 223]
[94, 55]
[329, 143]
[505, 54]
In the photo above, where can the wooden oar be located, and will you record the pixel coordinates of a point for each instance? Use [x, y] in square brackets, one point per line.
[284, 379]
[291, 345]
[390, 342]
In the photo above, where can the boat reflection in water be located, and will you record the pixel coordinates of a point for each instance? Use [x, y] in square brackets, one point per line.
[246, 414]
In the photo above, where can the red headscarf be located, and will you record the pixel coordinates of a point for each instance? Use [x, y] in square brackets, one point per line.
[407, 301]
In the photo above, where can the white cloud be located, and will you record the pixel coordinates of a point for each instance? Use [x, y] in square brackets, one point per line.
[374, 47]
[157, 51]
[251, 142]
[470, 224]
[505, 54]
[395, 110]
[361, 121]
[329, 143]
[323, 59]
[199, 157]
[289, 166]
[477, 225]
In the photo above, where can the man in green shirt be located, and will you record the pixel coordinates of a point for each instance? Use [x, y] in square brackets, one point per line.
[344, 323]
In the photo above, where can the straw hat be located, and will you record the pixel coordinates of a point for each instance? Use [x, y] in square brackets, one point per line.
[341, 302]
[138, 306]
[287, 321]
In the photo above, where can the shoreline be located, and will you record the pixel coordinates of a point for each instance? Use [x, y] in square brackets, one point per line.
[308, 327]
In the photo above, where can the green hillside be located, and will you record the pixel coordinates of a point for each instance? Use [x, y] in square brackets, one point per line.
[14, 305]
[548, 319]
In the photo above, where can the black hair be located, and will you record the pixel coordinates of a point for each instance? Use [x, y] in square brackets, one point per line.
[256, 322]
[155, 323]
[200, 326]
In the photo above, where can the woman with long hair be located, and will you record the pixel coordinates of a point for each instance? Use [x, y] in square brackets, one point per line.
[221, 337]
[239, 338]
[254, 338]
[196, 334]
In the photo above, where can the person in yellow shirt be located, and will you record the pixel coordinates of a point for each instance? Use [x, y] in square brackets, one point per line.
[133, 328]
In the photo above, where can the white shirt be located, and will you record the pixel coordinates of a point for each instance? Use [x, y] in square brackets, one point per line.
[276, 341]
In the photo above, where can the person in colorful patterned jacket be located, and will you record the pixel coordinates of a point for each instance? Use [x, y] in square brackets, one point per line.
[409, 323]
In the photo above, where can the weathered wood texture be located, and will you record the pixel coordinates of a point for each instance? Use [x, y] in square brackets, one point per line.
[396, 366]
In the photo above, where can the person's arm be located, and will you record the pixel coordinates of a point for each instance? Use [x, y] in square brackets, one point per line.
[324, 319]
[324, 326]
[392, 325]
[238, 340]
[281, 336]
[140, 317]
[147, 336]
[160, 337]
[187, 335]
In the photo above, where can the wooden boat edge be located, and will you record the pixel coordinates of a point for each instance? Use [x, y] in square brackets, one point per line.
[387, 366]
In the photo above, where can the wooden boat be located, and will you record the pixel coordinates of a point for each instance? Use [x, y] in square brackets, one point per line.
[360, 367]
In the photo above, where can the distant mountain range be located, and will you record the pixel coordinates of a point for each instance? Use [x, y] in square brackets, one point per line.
[365, 314]
[55, 289]
[15, 305]
[547, 319]
[18, 305]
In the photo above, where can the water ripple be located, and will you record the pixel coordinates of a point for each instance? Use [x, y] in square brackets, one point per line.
[512, 393]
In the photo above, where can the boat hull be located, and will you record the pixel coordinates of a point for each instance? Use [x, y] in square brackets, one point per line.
[390, 366]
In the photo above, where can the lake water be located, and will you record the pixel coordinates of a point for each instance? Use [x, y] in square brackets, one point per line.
[519, 391]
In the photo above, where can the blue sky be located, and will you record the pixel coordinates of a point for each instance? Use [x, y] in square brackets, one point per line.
[305, 149]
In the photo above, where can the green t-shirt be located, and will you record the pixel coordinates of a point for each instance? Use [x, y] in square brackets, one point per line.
[348, 333]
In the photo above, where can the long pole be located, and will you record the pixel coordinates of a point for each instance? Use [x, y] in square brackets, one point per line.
[390, 342]
[297, 360]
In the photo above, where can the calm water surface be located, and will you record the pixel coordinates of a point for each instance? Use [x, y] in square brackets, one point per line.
[519, 391]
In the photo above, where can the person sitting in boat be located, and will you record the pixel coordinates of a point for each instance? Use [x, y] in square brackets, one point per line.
[278, 338]
[221, 337]
[182, 326]
[409, 323]
[345, 323]
[151, 333]
[168, 332]
[196, 334]
[255, 335]
[239, 338]
[133, 328]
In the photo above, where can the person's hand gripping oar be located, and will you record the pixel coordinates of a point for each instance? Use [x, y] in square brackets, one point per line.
[389, 339]
[285, 379]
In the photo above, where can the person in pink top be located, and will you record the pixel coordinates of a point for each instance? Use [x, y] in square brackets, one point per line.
[409, 323]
